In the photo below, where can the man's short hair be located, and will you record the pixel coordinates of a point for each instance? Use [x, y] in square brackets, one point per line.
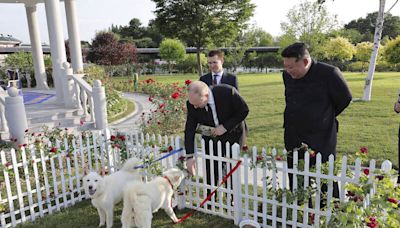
[216, 52]
[297, 50]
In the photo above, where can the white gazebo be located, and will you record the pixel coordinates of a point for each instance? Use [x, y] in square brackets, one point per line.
[56, 37]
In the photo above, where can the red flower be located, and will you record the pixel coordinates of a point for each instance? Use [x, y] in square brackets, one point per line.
[350, 193]
[259, 158]
[53, 150]
[181, 158]
[187, 82]
[113, 138]
[245, 148]
[170, 148]
[366, 171]
[8, 164]
[161, 106]
[372, 222]
[392, 200]
[24, 145]
[158, 122]
[122, 137]
[364, 150]
[175, 95]
[151, 99]
[278, 158]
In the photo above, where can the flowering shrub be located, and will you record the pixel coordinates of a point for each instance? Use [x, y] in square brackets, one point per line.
[359, 209]
[169, 101]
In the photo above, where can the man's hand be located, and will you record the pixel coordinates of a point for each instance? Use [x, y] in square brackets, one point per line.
[191, 166]
[397, 107]
[218, 131]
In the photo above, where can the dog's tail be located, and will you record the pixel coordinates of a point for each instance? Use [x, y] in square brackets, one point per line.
[130, 164]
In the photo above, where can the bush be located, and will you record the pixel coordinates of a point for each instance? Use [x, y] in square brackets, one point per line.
[169, 102]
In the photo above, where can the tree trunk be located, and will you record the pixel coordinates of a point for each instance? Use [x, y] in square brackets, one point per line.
[199, 67]
[374, 54]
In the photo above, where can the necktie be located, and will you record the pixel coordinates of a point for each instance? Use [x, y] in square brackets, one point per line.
[214, 81]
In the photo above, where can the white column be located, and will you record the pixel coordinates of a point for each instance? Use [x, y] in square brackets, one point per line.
[36, 47]
[100, 105]
[73, 36]
[57, 46]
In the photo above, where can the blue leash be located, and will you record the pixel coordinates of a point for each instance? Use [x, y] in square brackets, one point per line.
[161, 158]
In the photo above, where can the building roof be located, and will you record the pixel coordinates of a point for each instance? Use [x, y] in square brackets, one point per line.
[9, 39]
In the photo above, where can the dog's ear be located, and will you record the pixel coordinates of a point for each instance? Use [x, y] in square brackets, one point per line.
[85, 171]
[103, 172]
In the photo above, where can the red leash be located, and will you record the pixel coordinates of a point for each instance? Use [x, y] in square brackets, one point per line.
[212, 193]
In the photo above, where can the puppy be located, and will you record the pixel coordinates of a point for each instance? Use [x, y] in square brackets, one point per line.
[107, 191]
[141, 200]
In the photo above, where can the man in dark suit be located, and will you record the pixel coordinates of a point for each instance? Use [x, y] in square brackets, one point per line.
[315, 94]
[221, 107]
[217, 73]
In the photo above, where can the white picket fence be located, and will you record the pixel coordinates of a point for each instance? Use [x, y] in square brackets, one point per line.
[35, 183]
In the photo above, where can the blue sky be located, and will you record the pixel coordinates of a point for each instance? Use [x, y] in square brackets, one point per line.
[97, 15]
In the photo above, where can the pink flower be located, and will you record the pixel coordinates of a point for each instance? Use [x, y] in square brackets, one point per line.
[175, 95]
[364, 150]
[187, 82]
[161, 106]
[82, 122]
[366, 171]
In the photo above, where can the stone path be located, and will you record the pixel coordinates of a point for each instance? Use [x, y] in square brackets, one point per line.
[132, 122]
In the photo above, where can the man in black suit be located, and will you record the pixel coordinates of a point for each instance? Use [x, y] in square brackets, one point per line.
[315, 94]
[217, 73]
[221, 107]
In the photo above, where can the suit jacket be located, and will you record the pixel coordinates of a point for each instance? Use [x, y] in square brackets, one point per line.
[227, 78]
[231, 111]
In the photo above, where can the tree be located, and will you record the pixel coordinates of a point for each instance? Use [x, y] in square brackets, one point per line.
[339, 49]
[366, 26]
[363, 53]
[309, 22]
[200, 23]
[107, 50]
[172, 50]
[392, 51]
[353, 35]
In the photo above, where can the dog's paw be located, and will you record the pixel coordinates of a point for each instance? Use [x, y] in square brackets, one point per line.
[101, 224]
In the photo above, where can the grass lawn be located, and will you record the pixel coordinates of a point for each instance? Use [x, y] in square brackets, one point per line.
[84, 215]
[372, 124]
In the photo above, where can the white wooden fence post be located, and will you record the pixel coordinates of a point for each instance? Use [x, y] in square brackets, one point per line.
[100, 105]
[237, 186]
[15, 115]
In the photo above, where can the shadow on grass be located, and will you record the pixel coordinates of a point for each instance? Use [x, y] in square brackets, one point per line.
[83, 214]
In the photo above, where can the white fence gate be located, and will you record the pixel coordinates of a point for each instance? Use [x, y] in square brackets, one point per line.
[39, 182]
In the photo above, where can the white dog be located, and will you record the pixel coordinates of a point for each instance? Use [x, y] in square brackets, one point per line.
[107, 191]
[141, 200]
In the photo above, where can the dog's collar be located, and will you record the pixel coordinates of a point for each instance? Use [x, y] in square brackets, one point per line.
[169, 181]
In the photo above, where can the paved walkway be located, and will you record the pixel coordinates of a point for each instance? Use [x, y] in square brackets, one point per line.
[132, 122]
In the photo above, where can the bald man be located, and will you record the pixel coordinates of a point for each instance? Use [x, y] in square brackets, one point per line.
[221, 107]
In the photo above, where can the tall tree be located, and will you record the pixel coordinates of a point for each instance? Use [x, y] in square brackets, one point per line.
[309, 22]
[107, 50]
[172, 50]
[366, 26]
[199, 23]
